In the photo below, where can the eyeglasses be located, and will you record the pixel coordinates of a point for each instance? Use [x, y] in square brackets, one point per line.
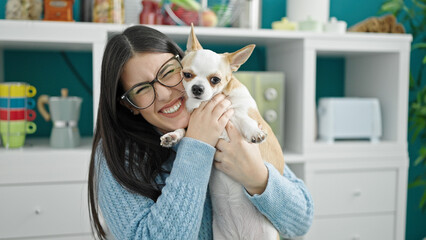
[142, 95]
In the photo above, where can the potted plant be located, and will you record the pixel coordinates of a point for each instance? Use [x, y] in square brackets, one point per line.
[413, 17]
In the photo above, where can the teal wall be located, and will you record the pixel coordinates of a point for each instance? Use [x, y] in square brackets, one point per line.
[49, 72]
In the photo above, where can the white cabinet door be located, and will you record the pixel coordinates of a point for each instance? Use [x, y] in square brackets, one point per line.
[368, 227]
[43, 210]
[348, 191]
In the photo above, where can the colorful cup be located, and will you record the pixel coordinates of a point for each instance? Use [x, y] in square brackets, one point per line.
[13, 140]
[13, 132]
[28, 103]
[20, 126]
[17, 89]
[17, 114]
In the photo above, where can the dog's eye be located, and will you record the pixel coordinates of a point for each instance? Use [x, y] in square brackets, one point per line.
[187, 74]
[215, 80]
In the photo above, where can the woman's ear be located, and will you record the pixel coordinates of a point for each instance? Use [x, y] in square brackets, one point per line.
[128, 106]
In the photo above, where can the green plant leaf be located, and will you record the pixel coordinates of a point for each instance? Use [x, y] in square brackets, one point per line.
[419, 45]
[420, 76]
[424, 60]
[415, 134]
[423, 201]
[409, 12]
[392, 6]
[412, 82]
[419, 160]
[419, 4]
[420, 121]
[417, 183]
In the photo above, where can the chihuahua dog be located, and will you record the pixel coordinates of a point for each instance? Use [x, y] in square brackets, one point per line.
[206, 74]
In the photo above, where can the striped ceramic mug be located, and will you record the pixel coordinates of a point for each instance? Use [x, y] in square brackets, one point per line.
[17, 89]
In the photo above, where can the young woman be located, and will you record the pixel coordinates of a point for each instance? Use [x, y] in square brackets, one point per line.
[140, 190]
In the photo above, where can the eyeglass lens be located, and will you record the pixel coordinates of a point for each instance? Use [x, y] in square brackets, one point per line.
[169, 75]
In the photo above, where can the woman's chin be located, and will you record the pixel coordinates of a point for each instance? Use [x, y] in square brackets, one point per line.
[181, 124]
[178, 124]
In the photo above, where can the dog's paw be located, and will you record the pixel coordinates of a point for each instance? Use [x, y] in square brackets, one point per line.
[169, 139]
[258, 136]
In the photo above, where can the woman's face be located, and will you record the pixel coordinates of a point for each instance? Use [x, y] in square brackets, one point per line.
[164, 113]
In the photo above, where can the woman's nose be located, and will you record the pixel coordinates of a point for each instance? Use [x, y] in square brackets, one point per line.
[163, 92]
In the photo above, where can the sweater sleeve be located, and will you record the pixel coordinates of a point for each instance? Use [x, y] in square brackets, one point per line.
[176, 214]
[286, 202]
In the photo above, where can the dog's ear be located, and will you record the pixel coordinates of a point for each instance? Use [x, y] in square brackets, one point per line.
[192, 44]
[238, 58]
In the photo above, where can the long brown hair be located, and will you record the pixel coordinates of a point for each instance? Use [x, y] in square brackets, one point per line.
[118, 130]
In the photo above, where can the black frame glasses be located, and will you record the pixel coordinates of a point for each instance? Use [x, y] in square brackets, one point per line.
[125, 96]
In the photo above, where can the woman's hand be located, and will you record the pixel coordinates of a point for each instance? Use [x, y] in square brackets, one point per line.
[208, 121]
[241, 161]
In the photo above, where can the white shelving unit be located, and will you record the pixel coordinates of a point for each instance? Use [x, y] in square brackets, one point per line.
[355, 184]
[44, 192]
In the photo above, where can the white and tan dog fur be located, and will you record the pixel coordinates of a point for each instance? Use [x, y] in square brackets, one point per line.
[206, 74]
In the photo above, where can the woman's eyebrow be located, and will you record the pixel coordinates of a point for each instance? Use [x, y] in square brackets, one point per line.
[164, 68]
[139, 83]
[160, 71]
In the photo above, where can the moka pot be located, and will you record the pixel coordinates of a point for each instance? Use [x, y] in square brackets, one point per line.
[65, 113]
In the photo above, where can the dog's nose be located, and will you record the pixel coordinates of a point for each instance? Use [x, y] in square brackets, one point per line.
[197, 90]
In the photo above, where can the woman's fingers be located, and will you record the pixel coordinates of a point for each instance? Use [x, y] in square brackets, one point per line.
[202, 106]
[224, 119]
[233, 133]
[221, 144]
[208, 123]
[210, 105]
[218, 156]
[221, 107]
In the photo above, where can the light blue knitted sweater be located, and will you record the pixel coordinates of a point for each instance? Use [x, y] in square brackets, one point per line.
[183, 210]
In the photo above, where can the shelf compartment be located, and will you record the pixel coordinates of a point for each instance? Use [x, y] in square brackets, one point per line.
[378, 76]
[372, 69]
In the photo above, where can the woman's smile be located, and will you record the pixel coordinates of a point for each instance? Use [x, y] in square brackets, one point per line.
[173, 109]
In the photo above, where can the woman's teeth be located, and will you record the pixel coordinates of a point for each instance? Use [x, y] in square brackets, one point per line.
[173, 108]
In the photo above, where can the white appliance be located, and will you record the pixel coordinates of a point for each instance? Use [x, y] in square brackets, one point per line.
[349, 118]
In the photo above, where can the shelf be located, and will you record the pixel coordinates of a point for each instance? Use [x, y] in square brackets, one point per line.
[39, 35]
[357, 149]
[36, 149]
[19, 34]
[42, 145]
